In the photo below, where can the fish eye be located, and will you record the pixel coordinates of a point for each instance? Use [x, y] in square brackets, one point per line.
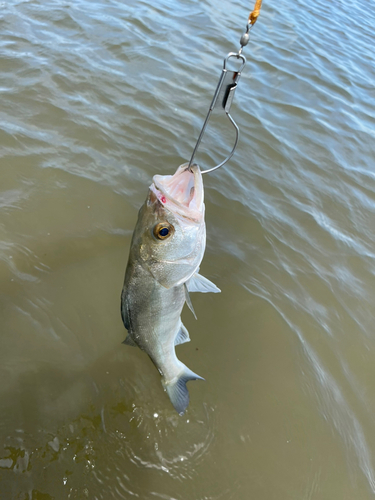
[163, 230]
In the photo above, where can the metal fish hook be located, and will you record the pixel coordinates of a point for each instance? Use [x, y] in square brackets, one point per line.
[226, 87]
[223, 97]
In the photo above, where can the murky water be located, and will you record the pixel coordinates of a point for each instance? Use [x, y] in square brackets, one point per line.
[96, 97]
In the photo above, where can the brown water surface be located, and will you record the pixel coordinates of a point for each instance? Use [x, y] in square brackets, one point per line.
[98, 96]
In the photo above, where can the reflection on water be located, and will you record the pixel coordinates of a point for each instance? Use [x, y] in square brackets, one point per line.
[96, 98]
[87, 444]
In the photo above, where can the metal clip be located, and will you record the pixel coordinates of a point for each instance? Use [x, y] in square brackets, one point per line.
[223, 97]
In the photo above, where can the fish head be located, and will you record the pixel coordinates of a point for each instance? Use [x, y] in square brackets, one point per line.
[171, 232]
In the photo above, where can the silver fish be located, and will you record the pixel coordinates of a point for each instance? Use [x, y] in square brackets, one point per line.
[168, 244]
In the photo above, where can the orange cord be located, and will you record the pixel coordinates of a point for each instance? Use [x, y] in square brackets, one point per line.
[254, 15]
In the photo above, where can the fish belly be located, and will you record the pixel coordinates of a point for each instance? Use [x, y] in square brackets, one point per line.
[152, 316]
[151, 312]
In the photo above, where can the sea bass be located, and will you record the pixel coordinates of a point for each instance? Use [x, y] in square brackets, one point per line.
[167, 247]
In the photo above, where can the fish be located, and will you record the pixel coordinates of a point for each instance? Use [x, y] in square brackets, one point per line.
[166, 251]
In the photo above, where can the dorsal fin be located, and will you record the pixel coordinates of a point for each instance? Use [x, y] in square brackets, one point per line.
[129, 341]
[125, 311]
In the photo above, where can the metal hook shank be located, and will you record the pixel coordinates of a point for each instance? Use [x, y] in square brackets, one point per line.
[233, 149]
[223, 97]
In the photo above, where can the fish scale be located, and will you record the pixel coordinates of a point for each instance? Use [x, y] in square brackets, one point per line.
[165, 254]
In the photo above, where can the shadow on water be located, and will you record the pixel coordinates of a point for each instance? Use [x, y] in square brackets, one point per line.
[96, 434]
[83, 416]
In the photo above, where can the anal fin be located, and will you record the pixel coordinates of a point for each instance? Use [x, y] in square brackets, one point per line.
[182, 336]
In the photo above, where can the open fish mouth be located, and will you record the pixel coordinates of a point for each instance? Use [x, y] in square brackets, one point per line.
[183, 190]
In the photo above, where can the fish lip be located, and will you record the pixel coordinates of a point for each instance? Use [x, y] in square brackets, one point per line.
[194, 207]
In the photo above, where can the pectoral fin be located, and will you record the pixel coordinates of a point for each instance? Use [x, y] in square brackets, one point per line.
[188, 301]
[198, 283]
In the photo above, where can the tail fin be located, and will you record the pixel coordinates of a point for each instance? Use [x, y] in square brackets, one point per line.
[177, 390]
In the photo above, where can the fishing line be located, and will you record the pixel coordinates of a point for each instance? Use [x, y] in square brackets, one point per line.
[224, 93]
